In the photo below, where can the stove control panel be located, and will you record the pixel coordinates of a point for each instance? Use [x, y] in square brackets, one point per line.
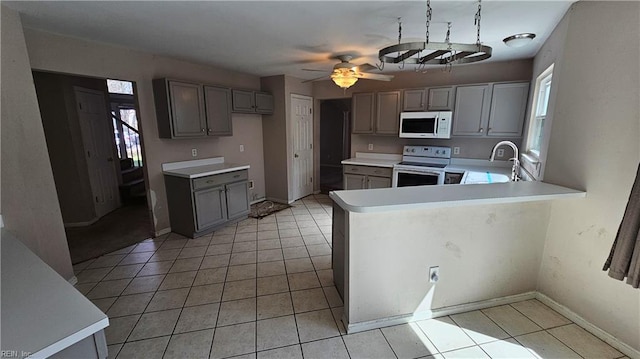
[427, 151]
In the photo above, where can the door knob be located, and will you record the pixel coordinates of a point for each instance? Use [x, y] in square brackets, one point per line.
[296, 155]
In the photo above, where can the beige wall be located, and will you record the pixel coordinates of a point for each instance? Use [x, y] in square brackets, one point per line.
[492, 255]
[463, 74]
[74, 56]
[594, 146]
[29, 194]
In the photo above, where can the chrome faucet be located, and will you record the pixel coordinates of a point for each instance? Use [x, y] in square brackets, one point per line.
[516, 162]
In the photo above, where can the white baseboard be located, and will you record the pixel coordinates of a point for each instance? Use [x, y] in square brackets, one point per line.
[258, 200]
[439, 312]
[163, 232]
[73, 280]
[586, 325]
[279, 200]
[81, 224]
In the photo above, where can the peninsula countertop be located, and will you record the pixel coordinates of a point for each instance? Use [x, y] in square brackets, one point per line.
[42, 313]
[420, 197]
[201, 168]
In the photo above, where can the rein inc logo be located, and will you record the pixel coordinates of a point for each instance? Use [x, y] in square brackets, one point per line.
[14, 354]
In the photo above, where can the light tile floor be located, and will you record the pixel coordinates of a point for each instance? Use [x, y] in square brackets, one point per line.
[264, 289]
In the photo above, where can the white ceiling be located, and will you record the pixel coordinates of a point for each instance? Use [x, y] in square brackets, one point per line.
[283, 37]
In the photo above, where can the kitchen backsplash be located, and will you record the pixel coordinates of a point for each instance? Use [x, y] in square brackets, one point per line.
[476, 148]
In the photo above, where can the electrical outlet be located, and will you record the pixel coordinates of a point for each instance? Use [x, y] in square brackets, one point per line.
[434, 274]
[371, 147]
[194, 152]
[250, 184]
[241, 148]
[500, 152]
[456, 150]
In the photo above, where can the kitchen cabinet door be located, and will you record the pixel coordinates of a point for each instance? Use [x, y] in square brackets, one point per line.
[243, 101]
[388, 113]
[413, 100]
[440, 99]
[218, 110]
[363, 111]
[508, 107]
[378, 182]
[210, 207]
[187, 109]
[471, 112]
[352, 181]
[237, 199]
[264, 103]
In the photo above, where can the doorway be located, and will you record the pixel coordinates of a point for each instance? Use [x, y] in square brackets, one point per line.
[335, 142]
[95, 149]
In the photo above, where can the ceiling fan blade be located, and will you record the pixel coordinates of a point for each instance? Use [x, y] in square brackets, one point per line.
[315, 70]
[379, 77]
[365, 67]
[317, 79]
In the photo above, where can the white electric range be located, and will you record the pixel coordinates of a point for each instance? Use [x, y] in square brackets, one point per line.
[421, 166]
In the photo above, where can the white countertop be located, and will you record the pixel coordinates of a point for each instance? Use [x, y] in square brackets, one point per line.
[373, 159]
[421, 197]
[200, 168]
[41, 312]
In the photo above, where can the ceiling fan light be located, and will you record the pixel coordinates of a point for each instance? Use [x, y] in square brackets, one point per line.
[519, 40]
[344, 77]
[344, 82]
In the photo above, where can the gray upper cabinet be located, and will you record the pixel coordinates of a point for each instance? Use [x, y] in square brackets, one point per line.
[441, 99]
[264, 103]
[218, 110]
[179, 109]
[387, 113]
[376, 113]
[471, 112]
[414, 100]
[190, 110]
[363, 111]
[245, 101]
[508, 107]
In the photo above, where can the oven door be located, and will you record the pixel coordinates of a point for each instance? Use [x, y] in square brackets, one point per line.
[408, 177]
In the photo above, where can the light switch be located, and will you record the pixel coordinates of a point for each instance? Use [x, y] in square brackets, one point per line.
[241, 148]
[371, 147]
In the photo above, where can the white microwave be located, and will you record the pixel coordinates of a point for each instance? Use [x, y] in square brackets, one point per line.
[425, 124]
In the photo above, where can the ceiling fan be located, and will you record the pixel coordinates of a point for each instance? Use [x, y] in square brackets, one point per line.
[345, 74]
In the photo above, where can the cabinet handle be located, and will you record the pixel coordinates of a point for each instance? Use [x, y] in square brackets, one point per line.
[202, 129]
[488, 129]
[481, 130]
[209, 130]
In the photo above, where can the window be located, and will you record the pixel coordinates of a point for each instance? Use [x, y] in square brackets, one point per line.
[541, 103]
[121, 87]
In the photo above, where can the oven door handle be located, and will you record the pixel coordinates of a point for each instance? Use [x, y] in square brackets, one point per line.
[431, 173]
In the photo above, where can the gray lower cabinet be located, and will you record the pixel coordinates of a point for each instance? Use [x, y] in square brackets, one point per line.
[366, 177]
[201, 205]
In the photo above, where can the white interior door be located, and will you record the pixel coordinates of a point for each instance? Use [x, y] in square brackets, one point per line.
[98, 149]
[302, 122]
